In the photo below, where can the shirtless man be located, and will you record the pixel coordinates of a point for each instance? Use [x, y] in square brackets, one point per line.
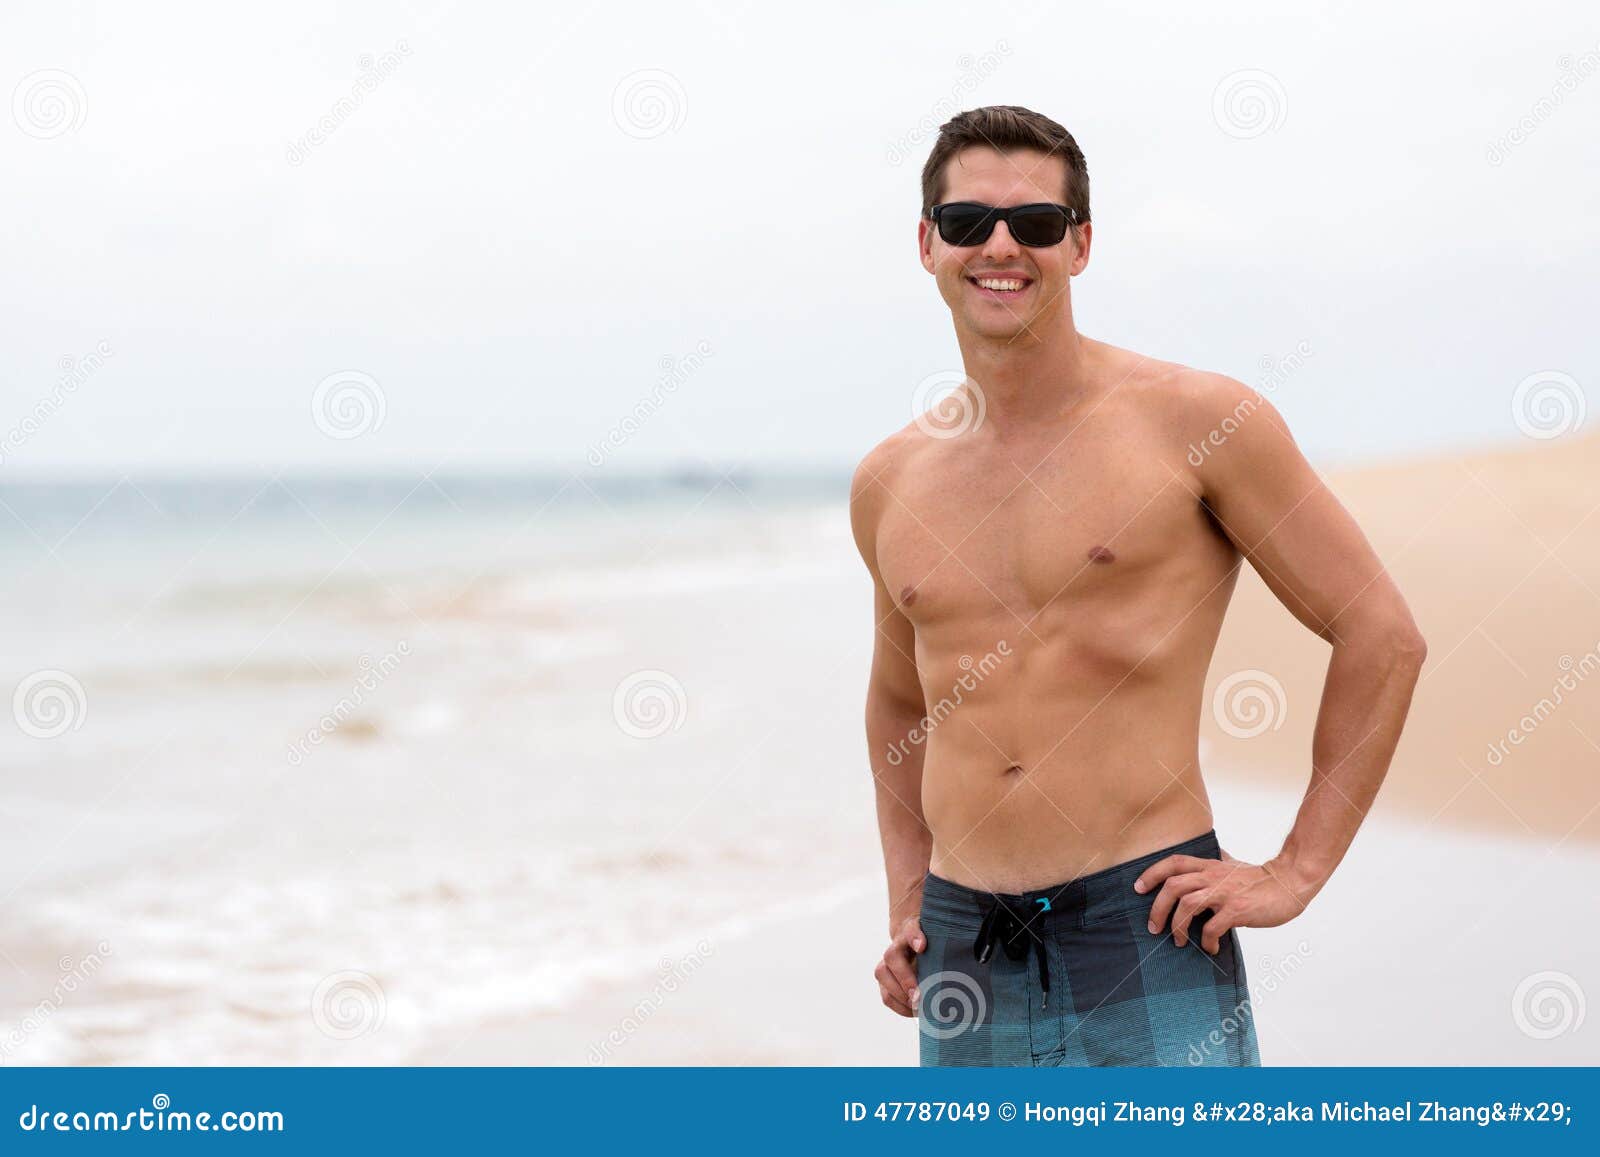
[1052, 549]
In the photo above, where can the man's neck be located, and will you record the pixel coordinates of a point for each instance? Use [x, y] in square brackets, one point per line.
[1031, 378]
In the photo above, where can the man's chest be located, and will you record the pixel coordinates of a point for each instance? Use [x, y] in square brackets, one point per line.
[973, 538]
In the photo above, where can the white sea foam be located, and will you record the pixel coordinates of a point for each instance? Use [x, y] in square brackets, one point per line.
[446, 946]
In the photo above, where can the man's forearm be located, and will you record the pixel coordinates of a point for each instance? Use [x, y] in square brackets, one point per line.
[1364, 702]
[897, 779]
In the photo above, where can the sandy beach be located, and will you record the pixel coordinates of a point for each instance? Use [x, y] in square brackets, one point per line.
[1499, 556]
[1449, 936]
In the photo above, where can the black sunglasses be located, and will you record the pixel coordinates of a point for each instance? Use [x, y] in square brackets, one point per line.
[969, 223]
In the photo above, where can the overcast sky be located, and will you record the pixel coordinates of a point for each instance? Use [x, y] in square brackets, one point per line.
[528, 214]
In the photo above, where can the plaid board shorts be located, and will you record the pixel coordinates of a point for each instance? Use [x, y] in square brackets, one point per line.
[1074, 977]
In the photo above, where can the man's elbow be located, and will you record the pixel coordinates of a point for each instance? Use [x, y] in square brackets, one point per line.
[1391, 638]
[1398, 644]
[889, 704]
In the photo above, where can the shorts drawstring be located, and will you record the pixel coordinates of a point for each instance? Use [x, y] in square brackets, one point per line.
[1016, 936]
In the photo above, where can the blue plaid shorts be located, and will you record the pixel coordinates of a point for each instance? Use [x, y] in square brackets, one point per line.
[1070, 975]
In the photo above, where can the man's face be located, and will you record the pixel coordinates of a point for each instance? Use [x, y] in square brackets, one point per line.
[1001, 179]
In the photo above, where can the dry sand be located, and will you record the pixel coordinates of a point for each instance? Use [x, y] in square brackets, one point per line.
[1498, 555]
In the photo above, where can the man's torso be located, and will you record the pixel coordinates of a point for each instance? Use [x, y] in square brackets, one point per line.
[1066, 586]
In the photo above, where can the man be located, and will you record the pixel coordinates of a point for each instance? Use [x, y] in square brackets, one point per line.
[1051, 561]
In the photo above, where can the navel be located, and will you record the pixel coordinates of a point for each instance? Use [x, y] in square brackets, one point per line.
[1100, 554]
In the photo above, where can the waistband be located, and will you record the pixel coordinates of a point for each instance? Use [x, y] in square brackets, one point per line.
[1099, 895]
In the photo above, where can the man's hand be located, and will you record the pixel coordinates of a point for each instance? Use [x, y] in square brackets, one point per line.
[1239, 895]
[897, 971]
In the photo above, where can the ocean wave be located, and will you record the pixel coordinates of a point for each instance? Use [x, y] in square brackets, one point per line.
[197, 969]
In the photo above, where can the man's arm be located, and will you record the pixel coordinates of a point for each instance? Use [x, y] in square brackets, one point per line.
[895, 711]
[1276, 509]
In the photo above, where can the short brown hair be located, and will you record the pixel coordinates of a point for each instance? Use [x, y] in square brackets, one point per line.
[1006, 127]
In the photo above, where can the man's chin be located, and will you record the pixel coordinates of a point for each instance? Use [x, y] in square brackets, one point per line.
[997, 328]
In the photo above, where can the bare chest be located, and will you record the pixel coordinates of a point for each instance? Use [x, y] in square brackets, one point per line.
[967, 538]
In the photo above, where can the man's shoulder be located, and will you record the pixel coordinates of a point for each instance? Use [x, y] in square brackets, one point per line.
[1227, 434]
[879, 474]
[1207, 393]
[885, 461]
[1175, 386]
[1191, 402]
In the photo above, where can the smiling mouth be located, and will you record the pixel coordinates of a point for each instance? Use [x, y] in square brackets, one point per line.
[1001, 287]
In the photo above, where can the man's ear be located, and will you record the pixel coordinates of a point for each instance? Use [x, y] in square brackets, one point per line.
[925, 242]
[1085, 235]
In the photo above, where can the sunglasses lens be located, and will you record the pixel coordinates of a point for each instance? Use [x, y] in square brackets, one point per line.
[1038, 227]
[965, 224]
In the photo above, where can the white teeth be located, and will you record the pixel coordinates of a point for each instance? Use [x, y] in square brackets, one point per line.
[991, 283]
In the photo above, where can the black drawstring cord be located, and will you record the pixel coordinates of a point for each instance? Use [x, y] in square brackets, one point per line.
[1016, 936]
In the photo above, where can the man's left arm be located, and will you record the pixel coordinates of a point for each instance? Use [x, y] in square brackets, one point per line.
[1282, 517]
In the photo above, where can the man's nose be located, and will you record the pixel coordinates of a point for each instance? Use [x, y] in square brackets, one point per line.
[1000, 243]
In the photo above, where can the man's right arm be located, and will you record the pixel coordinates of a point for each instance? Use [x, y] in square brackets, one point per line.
[894, 717]
[895, 714]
